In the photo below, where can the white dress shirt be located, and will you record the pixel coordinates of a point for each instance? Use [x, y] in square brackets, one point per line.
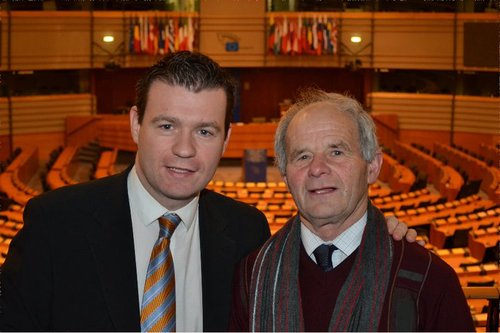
[346, 243]
[184, 246]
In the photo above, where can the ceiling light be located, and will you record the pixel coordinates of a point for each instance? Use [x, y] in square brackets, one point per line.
[108, 39]
[356, 39]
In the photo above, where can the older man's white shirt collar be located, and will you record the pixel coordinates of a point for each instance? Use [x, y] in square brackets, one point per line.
[347, 242]
[150, 209]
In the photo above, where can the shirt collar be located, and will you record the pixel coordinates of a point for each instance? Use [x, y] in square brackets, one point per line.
[149, 209]
[347, 242]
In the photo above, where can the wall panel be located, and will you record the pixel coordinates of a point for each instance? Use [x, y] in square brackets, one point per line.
[421, 114]
[45, 142]
[362, 26]
[4, 36]
[470, 17]
[41, 114]
[109, 23]
[58, 41]
[477, 114]
[414, 111]
[4, 116]
[40, 121]
[425, 43]
[62, 39]
[227, 21]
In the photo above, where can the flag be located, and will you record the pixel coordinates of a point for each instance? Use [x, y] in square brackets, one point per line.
[190, 43]
[271, 36]
[319, 27]
[182, 40]
[294, 28]
[333, 37]
[284, 35]
[277, 39]
[155, 36]
[137, 37]
[176, 34]
[131, 36]
[314, 32]
[171, 37]
[161, 37]
[150, 40]
[144, 34]
[289, 38]
[309, 36]
[299, 35]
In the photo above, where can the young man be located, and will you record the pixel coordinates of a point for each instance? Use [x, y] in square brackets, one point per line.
[82, 260]
[334, 267]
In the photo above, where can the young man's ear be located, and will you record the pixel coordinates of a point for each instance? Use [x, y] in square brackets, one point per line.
[226, 140]
[134, 124]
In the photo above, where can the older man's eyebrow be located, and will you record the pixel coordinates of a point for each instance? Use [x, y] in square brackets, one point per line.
[296, 152]
[340, 145]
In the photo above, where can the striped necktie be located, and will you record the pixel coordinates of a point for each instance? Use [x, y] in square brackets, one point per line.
[158, 302]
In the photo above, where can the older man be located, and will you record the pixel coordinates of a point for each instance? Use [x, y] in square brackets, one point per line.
[334, 266]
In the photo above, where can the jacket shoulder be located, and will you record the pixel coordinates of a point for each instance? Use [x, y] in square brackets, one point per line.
[229, 205]
[421, 262]
[242, 221]
[82, 193]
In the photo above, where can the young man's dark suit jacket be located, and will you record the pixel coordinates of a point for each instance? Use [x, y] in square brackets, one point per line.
[72, 267]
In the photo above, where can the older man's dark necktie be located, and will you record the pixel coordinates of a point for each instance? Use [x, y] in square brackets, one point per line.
[323, 255]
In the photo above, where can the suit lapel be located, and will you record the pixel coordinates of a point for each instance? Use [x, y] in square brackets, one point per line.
[217, 263]
[111, 239]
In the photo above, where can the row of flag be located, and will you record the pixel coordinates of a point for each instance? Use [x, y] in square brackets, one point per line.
[154, 36]
[302, 36]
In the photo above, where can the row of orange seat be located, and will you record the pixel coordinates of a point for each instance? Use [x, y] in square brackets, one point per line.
[59, 174]
[443, 229]
[399, 177]
[424, 215]
[106, 164]
[476, 168]
[489, 152]
[421, 200]
[14, 181]
[483, 240]
[444, 178]
[11, 221]
[114, 132]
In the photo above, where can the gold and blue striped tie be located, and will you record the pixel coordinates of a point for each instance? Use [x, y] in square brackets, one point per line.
[158, 302]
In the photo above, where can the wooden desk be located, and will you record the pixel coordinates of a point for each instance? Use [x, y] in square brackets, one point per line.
[14, 180]
[444, 178]
[399, 177]
[440, 232]
[476, 169]
[58, 175]
[481, 240]
[250, 136]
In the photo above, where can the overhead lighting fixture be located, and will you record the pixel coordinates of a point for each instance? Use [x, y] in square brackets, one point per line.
[25, 72]
[108, 39]
[356, 39]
